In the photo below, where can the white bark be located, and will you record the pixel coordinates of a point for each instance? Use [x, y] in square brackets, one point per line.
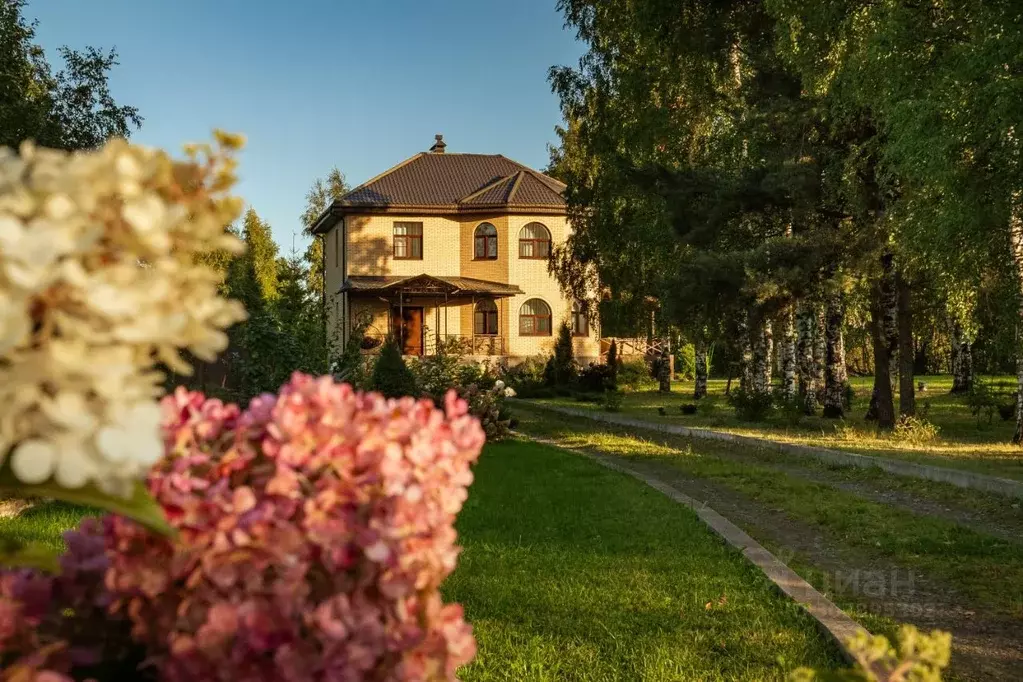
[787, 353]
[806, 322]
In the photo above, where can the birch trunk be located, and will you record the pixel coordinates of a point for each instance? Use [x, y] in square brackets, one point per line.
[664, 370]
[700, 357]
[884, 327]
[962, 360]
[806, 321]
[820, 350]
[762, 348]
[787, 353]
[1016, 244]
[745, 354]
[835, 375]
[907, 388]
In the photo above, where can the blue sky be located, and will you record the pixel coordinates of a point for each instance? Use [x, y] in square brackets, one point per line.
[313, 83]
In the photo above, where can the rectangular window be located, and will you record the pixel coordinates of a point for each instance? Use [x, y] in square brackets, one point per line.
[408, 241]
[337, 247]
[580, 323]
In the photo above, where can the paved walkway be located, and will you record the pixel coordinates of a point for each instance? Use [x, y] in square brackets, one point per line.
[956, 477]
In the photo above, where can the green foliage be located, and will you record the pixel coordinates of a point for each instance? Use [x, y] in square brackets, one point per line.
[914, 431]
[72, 109]
[982, 401]
[751, 406]
[527, 377]
[351, 366]
[613, 362]
[612, 400]
[488, 405]
[685, 362]
[632, 374]
[561, 369]
[391, 376]
[919, 658]
[318, 198]
[596, 378]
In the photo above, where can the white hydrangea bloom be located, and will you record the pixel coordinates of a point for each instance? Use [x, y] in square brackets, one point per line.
[99, 282]
[499, 385]
[509, 392]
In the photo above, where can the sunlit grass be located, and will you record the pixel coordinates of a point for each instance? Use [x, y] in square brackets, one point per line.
[573, 572]
[963, 441]
[986, 569]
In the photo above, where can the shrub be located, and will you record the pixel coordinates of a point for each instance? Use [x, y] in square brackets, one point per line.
[488, 405]
[632, 374]
[315, 529]
[914, 431]
[596, 378]
[688, 408]
[981, 401]
[391, 376]
[848, 396]
[435, 375]
[613, 362]
[561, 369]
[685, 362]
[751, 406]
[612, 400]
[792, 409]
[527, 377]
[706, 407]
[1007, 411]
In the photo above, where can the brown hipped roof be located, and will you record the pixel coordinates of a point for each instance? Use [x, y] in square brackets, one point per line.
[444, 183]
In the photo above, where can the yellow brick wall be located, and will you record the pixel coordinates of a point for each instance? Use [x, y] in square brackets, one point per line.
[533, 278]
[448, 251]
[492, 270]
[371, 246]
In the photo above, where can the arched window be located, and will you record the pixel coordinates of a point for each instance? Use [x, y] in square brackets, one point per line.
[485, 320]
[485, 242]
[534, 241]
[535, 318]
[580, 323]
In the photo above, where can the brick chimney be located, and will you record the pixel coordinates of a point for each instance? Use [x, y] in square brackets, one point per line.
[438, 146]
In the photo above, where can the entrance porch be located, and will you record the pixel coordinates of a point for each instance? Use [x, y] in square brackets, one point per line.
[464, 316]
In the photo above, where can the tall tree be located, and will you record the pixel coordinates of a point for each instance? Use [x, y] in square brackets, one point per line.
[70, 109]
[323, 192]
[941, 79]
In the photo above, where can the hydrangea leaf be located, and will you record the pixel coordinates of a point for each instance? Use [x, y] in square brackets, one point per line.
[139, 506]
[17, 554]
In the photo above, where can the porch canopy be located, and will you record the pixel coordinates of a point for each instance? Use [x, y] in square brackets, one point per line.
[427, 285]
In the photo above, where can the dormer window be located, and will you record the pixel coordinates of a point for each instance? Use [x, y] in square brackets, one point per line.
[485, 242]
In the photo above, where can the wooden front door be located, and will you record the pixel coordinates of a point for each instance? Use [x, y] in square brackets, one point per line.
[408, 328]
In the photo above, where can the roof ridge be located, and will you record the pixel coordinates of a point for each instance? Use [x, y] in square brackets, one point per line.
[543, 177]
[546, 187]
[485, 189]
[387, 172]
[515, 187]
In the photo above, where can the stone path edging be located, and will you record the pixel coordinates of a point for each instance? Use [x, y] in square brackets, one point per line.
[956, 477]
[834, 622]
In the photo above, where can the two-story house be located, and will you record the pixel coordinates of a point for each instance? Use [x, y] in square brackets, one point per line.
[451, 247]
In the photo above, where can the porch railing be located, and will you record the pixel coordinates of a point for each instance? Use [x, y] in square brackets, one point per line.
[454, 344]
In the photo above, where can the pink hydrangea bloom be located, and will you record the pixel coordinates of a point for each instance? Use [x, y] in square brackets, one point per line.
[314, 531]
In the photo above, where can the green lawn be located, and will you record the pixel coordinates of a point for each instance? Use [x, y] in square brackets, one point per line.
[962, 442]
[985, 570]
[574, 572]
